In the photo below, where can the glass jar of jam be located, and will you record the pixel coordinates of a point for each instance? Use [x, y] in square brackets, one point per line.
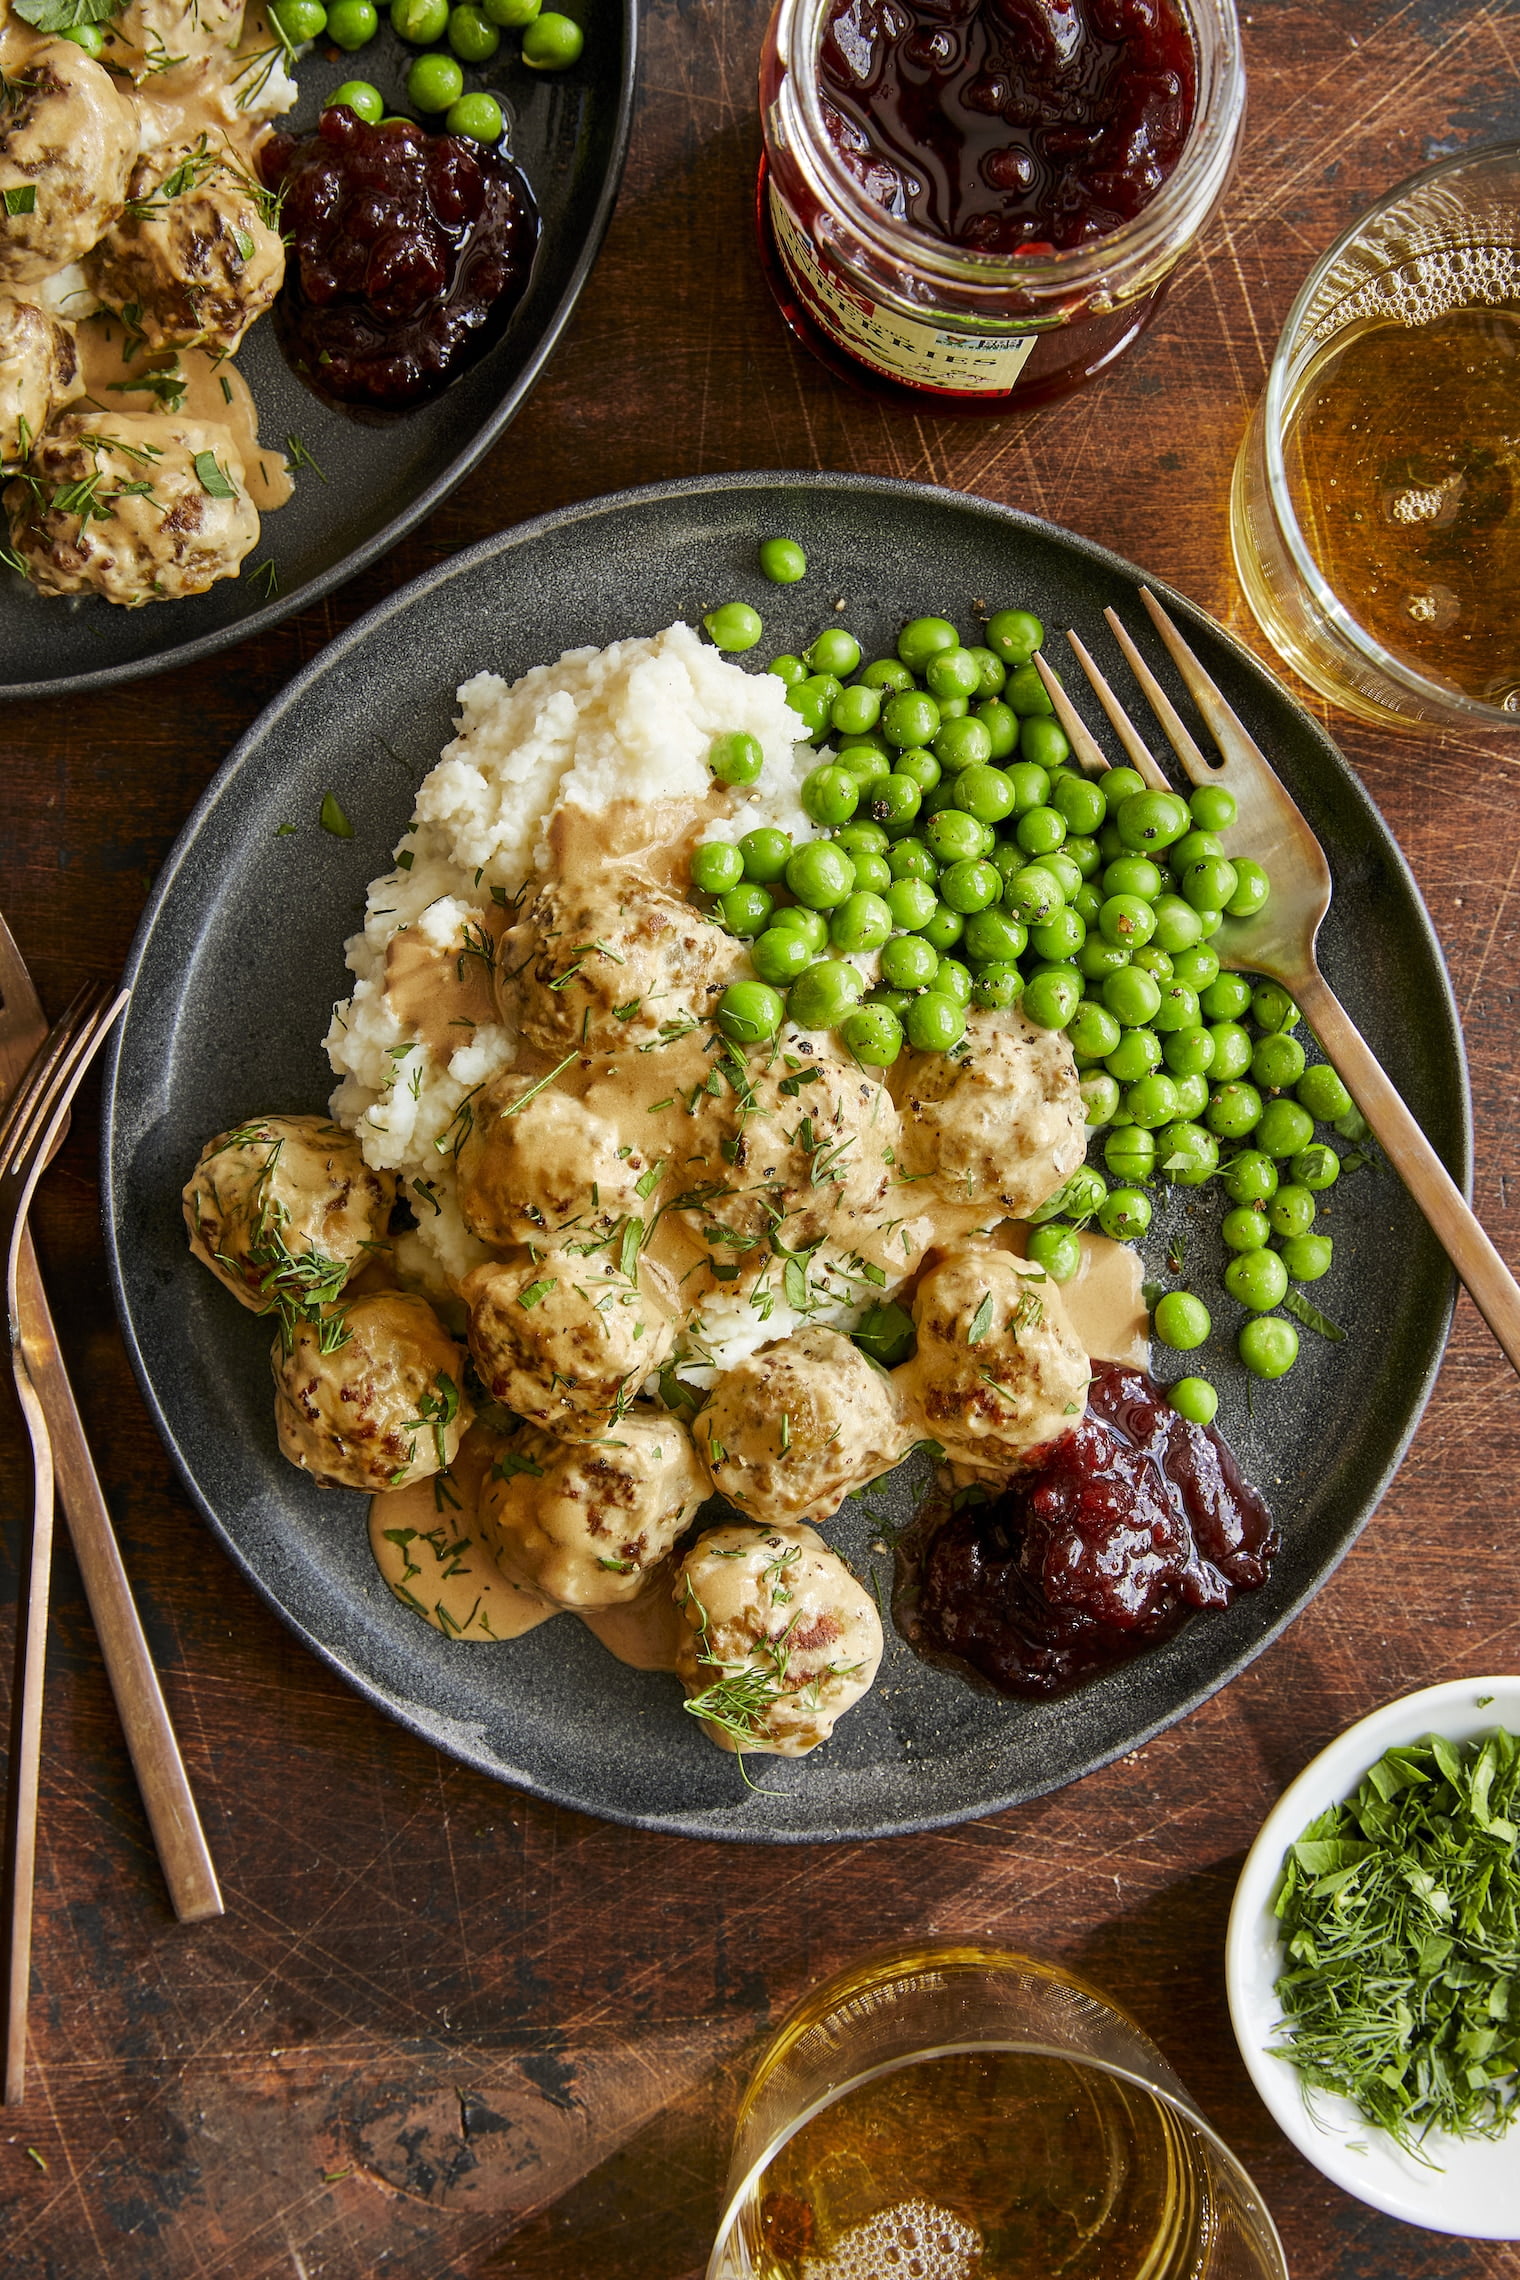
[978, 203]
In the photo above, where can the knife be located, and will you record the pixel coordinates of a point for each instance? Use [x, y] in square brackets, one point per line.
[170, 1807]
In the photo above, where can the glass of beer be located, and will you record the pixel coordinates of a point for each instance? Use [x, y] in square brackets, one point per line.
[1375, 508]
[951, 2112]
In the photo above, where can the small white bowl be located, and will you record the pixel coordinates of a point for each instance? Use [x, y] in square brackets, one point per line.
[1475, 2192]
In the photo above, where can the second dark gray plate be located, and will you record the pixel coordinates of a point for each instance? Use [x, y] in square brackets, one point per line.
[234, 972]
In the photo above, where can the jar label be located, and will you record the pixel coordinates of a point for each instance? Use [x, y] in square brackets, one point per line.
[898, 347]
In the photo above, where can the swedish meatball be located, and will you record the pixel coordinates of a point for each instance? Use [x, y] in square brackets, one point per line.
[586, 1524]
[194, 255]
[999, 1371]
[608, 963]
[567, 1341]
[174, 36]
[801, 1154]
[39, 367]
[998, 1124]
[780, 1639]
[525, 1172]
[790, 1431]
[69, 137]
[384, 1407]
[276, 1203]
[132, 506]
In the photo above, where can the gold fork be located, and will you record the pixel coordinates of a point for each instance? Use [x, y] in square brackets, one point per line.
[29, 1132]
[1279, 941]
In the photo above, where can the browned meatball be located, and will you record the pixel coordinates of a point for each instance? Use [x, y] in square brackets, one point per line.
[798, 1153]
[789, 1432]
[565, 1341]
[194, 254]
[610, 963]
[997, 1124]
[380, 1408]
[587, 1523]
[999, 1371]
[39, 370]
[67, 137]
[139, 507]
[551, 1164]
[282, 1207]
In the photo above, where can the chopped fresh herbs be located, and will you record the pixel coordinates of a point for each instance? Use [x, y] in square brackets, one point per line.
[1400, 1914]
[213, 477]
[298, 455]
[1303, 1311]
[981, 1321]
[333, 819]
[532, 1292]
[21, 198]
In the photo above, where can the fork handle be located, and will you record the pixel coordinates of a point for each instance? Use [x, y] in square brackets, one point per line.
[24, 1773]
[1493, 1289]
[166, 1795]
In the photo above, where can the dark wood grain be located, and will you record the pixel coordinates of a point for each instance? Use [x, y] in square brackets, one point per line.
[445, 2030]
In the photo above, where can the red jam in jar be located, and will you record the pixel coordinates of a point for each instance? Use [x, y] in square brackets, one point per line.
[1128, 1524]
[1009, 124]
[983, 199]
[408, 253]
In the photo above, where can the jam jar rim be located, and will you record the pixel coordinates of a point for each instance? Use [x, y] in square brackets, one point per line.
[1150, 242]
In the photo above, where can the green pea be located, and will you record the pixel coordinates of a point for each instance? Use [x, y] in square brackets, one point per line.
[1285, 1128]
[90, 37]
[861, 922]
[472, 36]
[992, 671]
[734, 626]
[1083, 852]
[999, 984]
[1127, 919]
[1273, 1007]
[954, 836]
[553, 43]
[1148, 820]
[1245, 1228]
[835, 650]
[765, 853]
[1137, 1053]
[735, 757]
[1187, 1154]
[912, 903]
[1191, 848]
[352, 24]
[1125, 1214]
[920, 767]
[1043, 740]
[1307, 1257]
[994, 935]
[1015, 635]
[1253, 889]
[1316, 1167]
[830, 795]
[1098, 959]
[820, 998]
[1002, 725]
[871, 874]
[716, 866]
[1188, 1052]
[855, 711]
[1060, 937]
[1257, 1279]
[299, 20]
[861, 838]
[1132, 875]
[1154, 962]
[1025, 693]
[1033, 895]
[1057, 1249]
[1093, 1031]
[1234, 1110]
[1198, 967]
[1178, 1008]
[1051, 996]
[749, 1012]
[1178, 926]
[1100, 1098]
[1268, 1345]
[366, 102]
[434, 83]
[1212, 807]
[1131, 996]
[953, 673]
[1130, 1153]
[910, 859]
[1251, 1178]
[887, 1334]
[1079, 1200]
[1232, 1050]
[796, 918]
[1277, 1062]
[1040, 830]
[746, 909]
[1209, 884]
[820, 874]
[512, 13]
[873, 1034]
[969, 885]
[945, 928]
[893, 802]
[788, 669]
[782, 561]
[1291, 1211]
[1181, 1321]
[779, 954]
[1192, 1096]
[1080, 802]
[908, 963]
[478, 117]
[1152, 1101]
[963, 744]
[1323, 1094]
[812, 700]
[1117, 785]
[935, 1023]
[923, 638]
[1067, 877]
[1194, 1400]
[984, 792]
[952, 979]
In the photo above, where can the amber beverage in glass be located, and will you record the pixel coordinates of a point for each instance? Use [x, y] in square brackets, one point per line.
[957, 2112]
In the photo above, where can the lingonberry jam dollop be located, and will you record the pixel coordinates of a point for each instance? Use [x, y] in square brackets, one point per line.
[408, 253]
[1009, 126]
[1131, 1521]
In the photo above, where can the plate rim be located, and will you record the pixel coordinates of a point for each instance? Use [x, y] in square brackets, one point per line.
[330, 657]
[1439, 1708]
[379, 542]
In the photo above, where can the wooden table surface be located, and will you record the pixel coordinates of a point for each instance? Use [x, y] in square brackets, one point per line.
[443, 2029]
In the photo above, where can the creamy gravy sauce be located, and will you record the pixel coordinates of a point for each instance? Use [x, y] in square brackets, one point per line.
[103, 368]
[442, 992]
[1104, 1299]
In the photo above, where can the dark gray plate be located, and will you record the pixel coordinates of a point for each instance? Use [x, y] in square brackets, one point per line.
[569, 133]
[240, 956]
